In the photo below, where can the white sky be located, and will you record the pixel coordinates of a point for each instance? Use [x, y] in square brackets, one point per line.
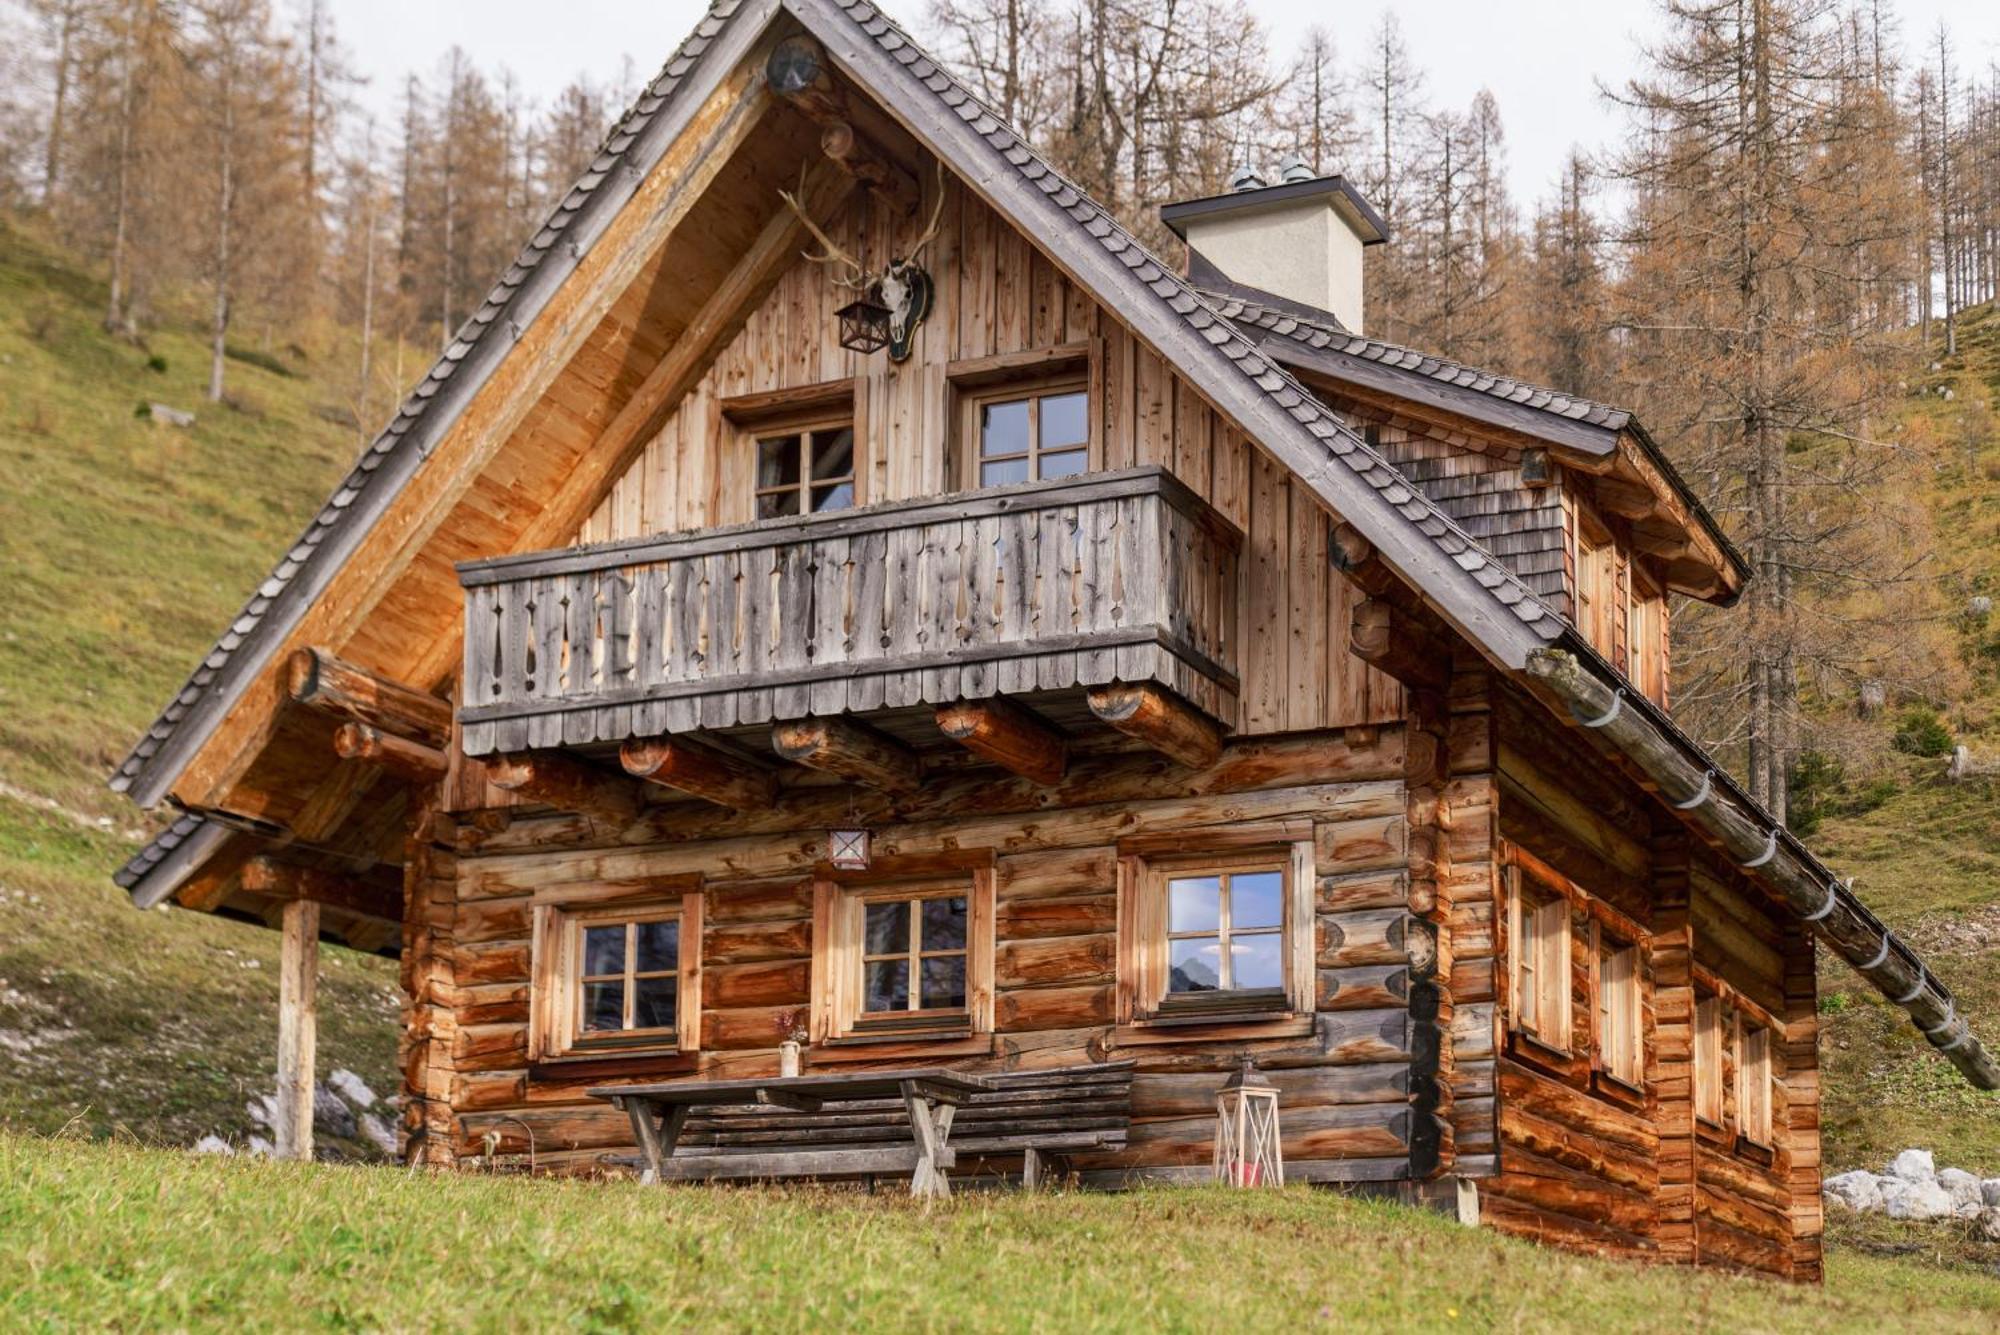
[1541, 58]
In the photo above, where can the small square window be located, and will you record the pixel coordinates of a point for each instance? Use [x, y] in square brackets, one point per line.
[1031, 435]
[806, 471]
[615, 978]
[910, 959]
[1221, 938]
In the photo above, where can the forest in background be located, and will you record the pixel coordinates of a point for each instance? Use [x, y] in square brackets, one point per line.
[1800, 202]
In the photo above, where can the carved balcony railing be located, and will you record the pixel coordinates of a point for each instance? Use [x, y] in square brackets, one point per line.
[1043, 587]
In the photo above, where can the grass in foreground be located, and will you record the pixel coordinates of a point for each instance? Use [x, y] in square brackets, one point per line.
[115, 1236]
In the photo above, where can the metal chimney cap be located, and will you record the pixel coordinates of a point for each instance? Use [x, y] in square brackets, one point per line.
[1292, 168]
[1244, 178]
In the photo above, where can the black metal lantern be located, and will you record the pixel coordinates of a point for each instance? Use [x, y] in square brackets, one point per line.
[864, 322]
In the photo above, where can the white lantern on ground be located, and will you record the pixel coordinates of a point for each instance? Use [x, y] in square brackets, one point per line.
[1247, 1153]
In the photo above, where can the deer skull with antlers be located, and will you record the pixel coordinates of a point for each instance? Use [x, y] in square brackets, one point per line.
[899, 294]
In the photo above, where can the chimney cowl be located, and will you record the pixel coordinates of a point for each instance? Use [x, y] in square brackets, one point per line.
[1301, 239]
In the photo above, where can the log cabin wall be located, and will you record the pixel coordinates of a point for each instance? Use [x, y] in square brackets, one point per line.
[1345, 1070]
[999, 297]
[1584, 1160]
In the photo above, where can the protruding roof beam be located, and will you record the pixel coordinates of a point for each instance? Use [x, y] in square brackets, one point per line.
[1010, 735]
[852, 751]
[328, 685]
[376, 895]
[410, 761]
[1161, 720]
[567, 784]
[700, 771]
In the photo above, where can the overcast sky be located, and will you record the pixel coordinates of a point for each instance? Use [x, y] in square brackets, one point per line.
[1541, 58]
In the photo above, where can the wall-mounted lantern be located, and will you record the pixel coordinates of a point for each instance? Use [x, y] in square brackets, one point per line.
[864, 322]
[1247, 1152]
[847, 850]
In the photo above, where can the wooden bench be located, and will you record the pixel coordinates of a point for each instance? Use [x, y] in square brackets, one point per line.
[921, 1122]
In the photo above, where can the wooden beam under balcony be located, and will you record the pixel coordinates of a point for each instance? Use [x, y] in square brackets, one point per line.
[565, 783]
[1161, 720]
[1009, 735]
[332, 686]
[398, 756]
[851, 750]
[700, 771]
[376, 895]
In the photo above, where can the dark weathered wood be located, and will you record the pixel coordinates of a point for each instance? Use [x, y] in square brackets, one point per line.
[1162, 721]
[328, 685]
[1009, 735]
[376, 895]
[565, 783]
[1396, 642]
[701, 771]
[1836, 916]
[408, 760]
[851, 151]
[851, 750]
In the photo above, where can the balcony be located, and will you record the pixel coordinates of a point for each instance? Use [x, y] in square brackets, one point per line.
[1039, 591]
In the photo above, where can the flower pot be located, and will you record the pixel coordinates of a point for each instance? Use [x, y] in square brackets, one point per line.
[789, 1057]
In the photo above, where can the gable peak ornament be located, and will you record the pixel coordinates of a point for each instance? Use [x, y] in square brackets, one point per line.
[890, 303]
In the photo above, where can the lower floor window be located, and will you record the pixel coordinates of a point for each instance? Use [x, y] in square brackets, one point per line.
[914, 958]
[1226, 932]
[913, 955]
[616, 977]
[1217, 937]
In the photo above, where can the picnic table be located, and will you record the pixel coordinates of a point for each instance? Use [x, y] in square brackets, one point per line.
[931, 1096]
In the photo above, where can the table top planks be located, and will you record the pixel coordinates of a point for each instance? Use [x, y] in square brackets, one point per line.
[946, 1086]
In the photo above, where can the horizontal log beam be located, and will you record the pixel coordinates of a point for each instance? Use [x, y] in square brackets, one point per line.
[408, 760]
[1397, 643]
[1746, 834]
[565, 783]
[328, 685]
[1354, 556]
[851, 750]
[699, 771]
[376, 895]
[1161, 720]
[1010, 735]
[1633, 500]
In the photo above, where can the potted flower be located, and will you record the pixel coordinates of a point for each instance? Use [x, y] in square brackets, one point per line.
[791, 1041]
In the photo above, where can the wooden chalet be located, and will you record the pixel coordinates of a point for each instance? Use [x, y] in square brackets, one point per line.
[1205, 679]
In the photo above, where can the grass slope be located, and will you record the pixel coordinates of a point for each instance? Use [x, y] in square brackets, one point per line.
[124, 545]
[119, 1237]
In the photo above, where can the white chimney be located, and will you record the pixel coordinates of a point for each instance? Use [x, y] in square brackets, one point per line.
[1300, 239]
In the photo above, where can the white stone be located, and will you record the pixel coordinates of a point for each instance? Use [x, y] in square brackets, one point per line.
[1963, 1188]
[1904, 1199]
[378, 1133]
[1989, 1222]
[171, 416]
[1858, 1190]
[1914, 1166]
[213, 1145]
[352, 1088]
[263, 1110]
[261, 1148]
[1989, 1191]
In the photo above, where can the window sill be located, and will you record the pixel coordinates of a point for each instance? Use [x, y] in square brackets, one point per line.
[616, 1063]
[884, 1047]
[1204, 1028]
[1617, 1090]
[1760, 1154]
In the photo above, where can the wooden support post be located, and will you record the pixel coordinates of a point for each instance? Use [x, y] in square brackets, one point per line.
[1161, 720]
[321, 682]
[565, 783]
[298, 1025]
[851, 750]
[410, 761]
[1394, 641]
[704, 772]
[376, 895]
[1010, 735]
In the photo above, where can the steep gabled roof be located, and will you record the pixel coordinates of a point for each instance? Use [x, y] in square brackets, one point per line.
[1469, 586]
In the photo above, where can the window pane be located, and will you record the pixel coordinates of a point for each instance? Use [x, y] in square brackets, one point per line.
[839, 496]
[1256, 899]
[659, 946]
[1069, 463]
[833, 454]
[944, 983]
[1196, 964]
[886, 985]
[1002, 473]
[604, 950]
[1003, 428]
[1194, 904]
[1064, 420]
[944, 924]
[887, 928]
[1258, 961]
[777, 503]
[778, 462]
[653, 1001]
[603, 1006]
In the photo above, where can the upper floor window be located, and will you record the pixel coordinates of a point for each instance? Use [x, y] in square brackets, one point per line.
[1031, 435]
[806, 470]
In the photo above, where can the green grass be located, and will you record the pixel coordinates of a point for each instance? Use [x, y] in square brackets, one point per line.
[115, 1236]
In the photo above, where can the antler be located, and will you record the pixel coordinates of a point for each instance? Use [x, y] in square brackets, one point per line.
[931, 228]
[832, 254]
